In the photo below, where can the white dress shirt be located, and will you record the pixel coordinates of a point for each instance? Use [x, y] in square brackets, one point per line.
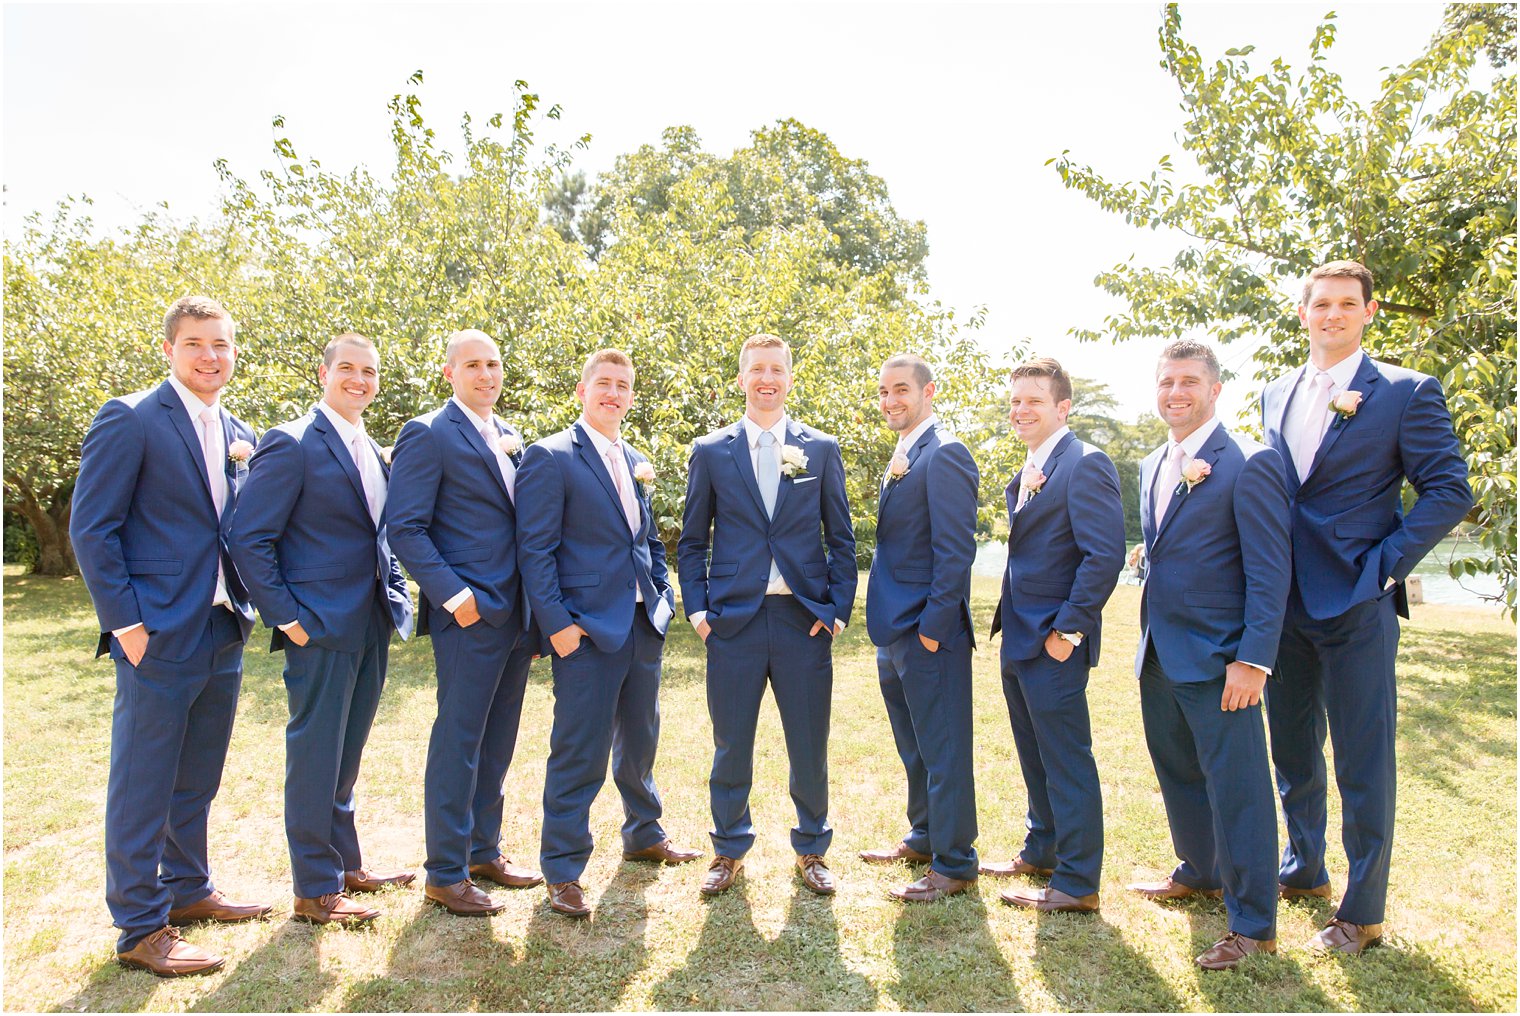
[1038, 456]
[908, 440]
[508, 476]
[622, 481]
[1341, 376]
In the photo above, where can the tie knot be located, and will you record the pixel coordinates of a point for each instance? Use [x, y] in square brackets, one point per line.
[1322, 379]
[1178, 453]
[767, 439]
[207, 415]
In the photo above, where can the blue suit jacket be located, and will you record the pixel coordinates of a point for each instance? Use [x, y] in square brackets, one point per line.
[579, 562]
[1065, 552]
[723, 499]
[144, 528]
[1350, 534]
[450, 520]
[304, 542]
[1217, 584]
[925, 544]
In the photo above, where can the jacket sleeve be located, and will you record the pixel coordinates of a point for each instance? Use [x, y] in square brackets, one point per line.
[540, 524]
[109, 463]
[416, 472]
[839, 535]
[1263, 522]
[696, 531]
[275, 475]
[1432, 460]
[1095, 510]
[953, 482]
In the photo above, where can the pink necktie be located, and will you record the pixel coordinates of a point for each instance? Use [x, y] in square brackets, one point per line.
[216, 474]
[625, 495]
[1024, 492]
[1311, 424]
[1171, 475]
[364, 462]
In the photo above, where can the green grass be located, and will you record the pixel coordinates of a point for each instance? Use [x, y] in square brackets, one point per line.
[653, 943]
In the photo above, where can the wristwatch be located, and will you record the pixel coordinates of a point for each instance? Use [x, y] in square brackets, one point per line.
[1074, 637]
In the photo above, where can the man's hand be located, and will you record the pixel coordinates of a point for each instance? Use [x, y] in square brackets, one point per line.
[566, 640]
[297, 634]
[1242, 686]
[467, 613]
[929, 643]
[134, 644]
[1057, 648]
[704, 629]
[819, 626]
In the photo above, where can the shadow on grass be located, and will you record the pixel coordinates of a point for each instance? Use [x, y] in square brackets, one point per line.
[1276, 983]
[111, 986]
[936, 945]
[1086, 964]
[1403, 977]
[285, 969]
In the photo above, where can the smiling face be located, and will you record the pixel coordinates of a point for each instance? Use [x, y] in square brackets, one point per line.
[904, 403]
[1335, 315]
[764, 378]
[474, 370]
[606, 396]
[351, 381]
[1185, 395]
[202, 355]
[1034, 411]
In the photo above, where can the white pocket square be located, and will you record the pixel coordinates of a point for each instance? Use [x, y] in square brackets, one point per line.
[805, 479]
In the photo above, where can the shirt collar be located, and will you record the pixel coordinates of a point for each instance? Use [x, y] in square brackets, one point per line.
[910, 439]
[193, 404]
[598, 439]
[479, 421]
[1194, 441]
[1039, 456]
[753, 430]
[346, 430]
[1341, 375]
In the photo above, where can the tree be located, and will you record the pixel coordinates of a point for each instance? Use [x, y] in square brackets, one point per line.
[1092, 420]
[1290, 172]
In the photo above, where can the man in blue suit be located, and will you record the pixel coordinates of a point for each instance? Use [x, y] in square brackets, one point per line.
[159, 475]
[308, 538]
[918, 614]
[1214, 510]
[1065, 550]
[1352, 431]
[594, 570]
[453, 524]
[769, 602]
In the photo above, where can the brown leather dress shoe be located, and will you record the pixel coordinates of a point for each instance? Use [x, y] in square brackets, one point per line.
[503, 872]
[1169, 889]
[1227, 953]
[166, 954]
[368, 880]
[1049, 900]
[217, 907]
[1017, 866]
[930, 888]
[664, 852]
[1343, 936]
[1289, 892]
[893, 854]
[566, 898]
[333, 908]
[815, 874]
[463, 899]
[721, 875]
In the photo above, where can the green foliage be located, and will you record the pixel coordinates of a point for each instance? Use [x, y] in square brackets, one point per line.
[1289, 171]
[1092, 420]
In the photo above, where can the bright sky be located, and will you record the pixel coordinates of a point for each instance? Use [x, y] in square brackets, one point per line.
[956, 106]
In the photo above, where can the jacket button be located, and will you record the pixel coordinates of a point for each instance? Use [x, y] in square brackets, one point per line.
[630, 584]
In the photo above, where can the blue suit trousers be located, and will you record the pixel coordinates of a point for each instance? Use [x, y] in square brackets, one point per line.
[1047, 708]
[333, 696]
[604, 703]
[170, 727]
[1212, 767]
[482, 674]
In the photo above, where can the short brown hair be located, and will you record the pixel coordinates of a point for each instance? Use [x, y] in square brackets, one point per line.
[1339, 270]
[765, 340]
[201, 308]
[330, 351]
[1046, 366]
[922, 372]
[602, 356]
[1187, 349]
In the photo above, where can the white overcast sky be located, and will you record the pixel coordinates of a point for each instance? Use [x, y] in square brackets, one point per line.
[956, 106]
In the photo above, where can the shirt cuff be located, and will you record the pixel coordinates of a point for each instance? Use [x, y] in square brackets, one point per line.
[1264, 670]
[453, 602]
[119, 632]
[287, 625]
[696, 618]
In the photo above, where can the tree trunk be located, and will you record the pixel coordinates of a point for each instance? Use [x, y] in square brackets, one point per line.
[55, 554]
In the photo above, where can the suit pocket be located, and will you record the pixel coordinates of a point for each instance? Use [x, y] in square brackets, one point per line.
[466, 555]
[803, 479]
[716, 570]
[316, 573]
[922, 576]
[154, 566]
[815, 569]
[1036, 588]
[576, 581]
[1217, 599]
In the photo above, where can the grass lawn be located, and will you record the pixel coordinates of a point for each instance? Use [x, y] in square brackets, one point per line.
[654, 943]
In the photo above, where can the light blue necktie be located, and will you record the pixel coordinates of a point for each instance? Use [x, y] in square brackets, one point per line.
[768, 472]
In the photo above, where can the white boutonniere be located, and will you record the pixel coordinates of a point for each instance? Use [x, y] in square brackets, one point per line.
[644, 474]
[1194, 471]
[239, 451]
[1033, 481]
[385, 454]
[510, 444]
[793, 462]
[1345, 405]
[898, 467]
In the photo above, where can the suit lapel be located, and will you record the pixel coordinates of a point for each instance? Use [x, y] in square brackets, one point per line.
[334, 442]
[794, 439]
[645, 515]
[1051, 464]
[1150, 466]
[170, 400]
[738, 447]
[1365, 381]
[1277, 413]
[466, 424]
[598, 468]
[1208, 453]
[913, 456]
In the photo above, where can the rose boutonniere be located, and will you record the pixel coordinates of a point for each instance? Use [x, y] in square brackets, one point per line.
[898, 467]
[793, 462]
[1345, 405]
[644, 474]
[510, 444]
[385, 454]
[239, 451]
[1033, 481]
[1194, 472]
